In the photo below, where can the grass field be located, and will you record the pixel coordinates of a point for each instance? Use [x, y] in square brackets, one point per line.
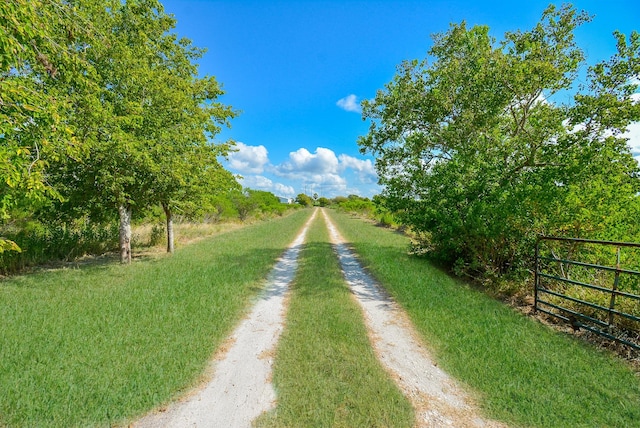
[98, 345]
[103, 344]
[521, 371]
[326, 373]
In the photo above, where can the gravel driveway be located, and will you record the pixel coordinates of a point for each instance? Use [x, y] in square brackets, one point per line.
[239, 388]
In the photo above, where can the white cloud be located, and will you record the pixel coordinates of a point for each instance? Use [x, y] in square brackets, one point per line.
[633, 134]
[303, 162]
[248, 159]
[327, 185]
[259, 182]
[349, 103]
[326, 174]
[284, 190]
[363, 168]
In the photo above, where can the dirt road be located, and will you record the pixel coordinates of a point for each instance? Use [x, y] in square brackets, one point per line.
[239, 389]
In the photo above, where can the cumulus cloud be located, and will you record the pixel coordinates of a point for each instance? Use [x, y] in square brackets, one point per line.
[363, 168]
[303, 162]
[326, 174]
[284, 190]
[633, 134]
[248, 159]
[349, 103]
[257, 182]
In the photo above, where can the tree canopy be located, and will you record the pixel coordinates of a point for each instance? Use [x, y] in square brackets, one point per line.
[106, 112]
[478, 156]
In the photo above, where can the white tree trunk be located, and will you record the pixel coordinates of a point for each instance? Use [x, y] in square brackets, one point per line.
[169, 215]
[125, 234]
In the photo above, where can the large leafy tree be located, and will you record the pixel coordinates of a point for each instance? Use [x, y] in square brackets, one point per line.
[103, 111]
[477, 155]
[117, 174]
[41, 59]
[182, 118]
[147, 140]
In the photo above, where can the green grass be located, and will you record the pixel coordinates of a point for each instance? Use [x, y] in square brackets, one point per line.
[100, 345]
[522, 372]
[326, 373]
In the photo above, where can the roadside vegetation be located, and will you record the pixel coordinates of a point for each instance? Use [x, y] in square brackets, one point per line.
[326, 372]
[490, 142]
[100, 344]
[105, 115]
[522, 372]
[44, 240]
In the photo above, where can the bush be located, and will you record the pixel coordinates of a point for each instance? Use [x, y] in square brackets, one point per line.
[45, 242]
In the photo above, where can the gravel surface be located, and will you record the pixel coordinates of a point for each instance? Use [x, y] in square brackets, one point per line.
[438, 400]
[239, 388]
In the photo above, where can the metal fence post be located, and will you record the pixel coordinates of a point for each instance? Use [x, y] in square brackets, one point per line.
[536, 280]
[614, 289]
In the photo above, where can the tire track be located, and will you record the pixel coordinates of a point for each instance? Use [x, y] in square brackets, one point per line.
[240, 388]
[436, 397]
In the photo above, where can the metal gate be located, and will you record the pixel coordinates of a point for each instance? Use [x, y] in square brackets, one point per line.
[592, 285]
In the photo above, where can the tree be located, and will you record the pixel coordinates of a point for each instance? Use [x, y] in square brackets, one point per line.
[181, 119]
[304, 200]
[147, 141]
[103, 111]
[40, 56]
[324, 202]
[475, 157]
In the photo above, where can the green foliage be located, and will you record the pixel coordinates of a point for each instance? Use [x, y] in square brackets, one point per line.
[265, 202]
[157, 234]
[148, 140]
[257, 203]
[42, 242]
[324, 202]
[220, 207]
[355, 204]
[478, 163]
[39, 58]
[304, 200]
[103, 107]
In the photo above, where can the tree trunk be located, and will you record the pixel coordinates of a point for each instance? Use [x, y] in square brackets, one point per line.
[125, 234]
[169, 215]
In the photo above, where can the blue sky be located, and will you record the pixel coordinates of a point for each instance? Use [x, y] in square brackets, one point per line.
[297, 71]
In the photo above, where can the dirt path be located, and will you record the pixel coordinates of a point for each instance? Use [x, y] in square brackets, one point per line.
[438, 400]
[240, 388]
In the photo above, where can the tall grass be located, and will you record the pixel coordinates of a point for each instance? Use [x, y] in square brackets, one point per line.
[100, 345]
[326, 373]
[523, 372]
[41, 243]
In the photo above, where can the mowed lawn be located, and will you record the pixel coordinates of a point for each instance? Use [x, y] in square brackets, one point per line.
[100, 345]
[521, 372]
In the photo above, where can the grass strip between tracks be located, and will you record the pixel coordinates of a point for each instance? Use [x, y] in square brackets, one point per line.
[99, 345]
[522, 372]
[326, 373]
